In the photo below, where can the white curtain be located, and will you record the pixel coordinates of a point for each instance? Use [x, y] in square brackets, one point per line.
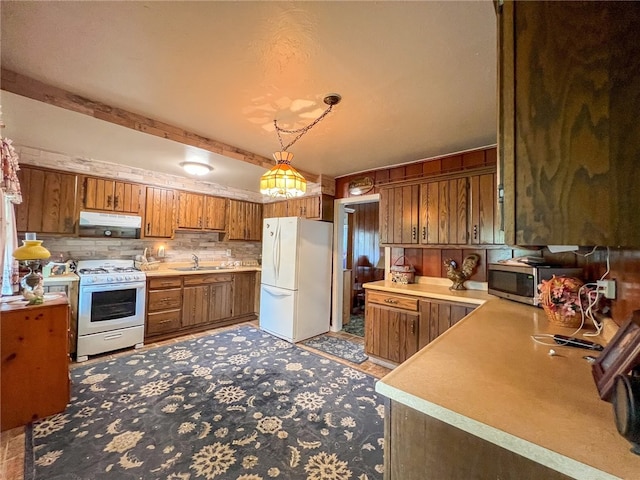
[9, 194]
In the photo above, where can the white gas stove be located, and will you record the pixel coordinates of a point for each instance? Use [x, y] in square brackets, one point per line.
[111, 306]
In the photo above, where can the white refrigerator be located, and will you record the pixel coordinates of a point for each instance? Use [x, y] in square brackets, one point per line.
[295, 290]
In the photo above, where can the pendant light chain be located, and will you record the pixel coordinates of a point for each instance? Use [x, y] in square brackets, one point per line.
[299, 131]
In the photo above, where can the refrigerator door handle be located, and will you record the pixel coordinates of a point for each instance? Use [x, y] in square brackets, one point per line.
[276, 253]
[277, 292]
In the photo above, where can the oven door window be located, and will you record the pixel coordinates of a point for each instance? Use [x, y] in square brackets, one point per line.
[113, 305]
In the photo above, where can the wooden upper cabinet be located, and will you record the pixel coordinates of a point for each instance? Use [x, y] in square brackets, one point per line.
[48, 204]
[443, 212]
[111, 195]
[190, 210]
[201, 212]
[275, 209]
[245, 221]
[313, 207]
[399, 208]
[568, 137]
[159, 213]
[484, 224]
[215, 213]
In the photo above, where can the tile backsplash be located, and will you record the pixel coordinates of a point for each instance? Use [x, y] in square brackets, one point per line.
[207, 246]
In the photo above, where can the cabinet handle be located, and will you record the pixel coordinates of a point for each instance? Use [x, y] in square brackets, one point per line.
[148, 228]
[166, 299]
[475, 232]
[108, 200]
[165, 321]
[115, 202]
[424, 233]
[414, 233]
[413, 327]
[388, 300]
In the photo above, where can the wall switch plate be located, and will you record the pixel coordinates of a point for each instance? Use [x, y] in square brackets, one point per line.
[228, 252]
[607, 288]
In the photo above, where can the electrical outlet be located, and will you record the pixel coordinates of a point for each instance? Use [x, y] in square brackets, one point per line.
[228, 252]
[607, 288]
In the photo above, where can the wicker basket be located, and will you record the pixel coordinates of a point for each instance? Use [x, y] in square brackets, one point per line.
[146, 266]
[554, 316]
[561, 320]
[402, 273]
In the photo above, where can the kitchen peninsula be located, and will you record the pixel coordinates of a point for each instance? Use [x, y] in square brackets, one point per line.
[484, 400]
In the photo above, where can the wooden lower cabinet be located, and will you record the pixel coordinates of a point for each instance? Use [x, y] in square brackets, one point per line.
[206, 299]
[391, 326]
[244, 292]
[438, 316]
[34, 379]
[178, 304]
[420, 447]
[397, 326]
[164, 305]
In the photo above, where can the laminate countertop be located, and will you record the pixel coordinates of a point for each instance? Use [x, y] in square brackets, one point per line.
[488, 377]
[169, 269]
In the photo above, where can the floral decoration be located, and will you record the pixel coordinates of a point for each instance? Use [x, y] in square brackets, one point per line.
[562, 295]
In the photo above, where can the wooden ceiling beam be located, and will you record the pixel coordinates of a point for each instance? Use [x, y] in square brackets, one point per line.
[31, 88]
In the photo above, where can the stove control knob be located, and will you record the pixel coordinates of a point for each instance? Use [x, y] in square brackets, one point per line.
[110, 279]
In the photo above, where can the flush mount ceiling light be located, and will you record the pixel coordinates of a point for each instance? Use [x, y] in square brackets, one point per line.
[282, 180]
[196, 168]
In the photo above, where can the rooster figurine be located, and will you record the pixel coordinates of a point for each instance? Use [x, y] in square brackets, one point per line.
[458, 277]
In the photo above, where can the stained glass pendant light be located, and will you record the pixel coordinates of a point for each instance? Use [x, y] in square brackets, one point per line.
[282, 180]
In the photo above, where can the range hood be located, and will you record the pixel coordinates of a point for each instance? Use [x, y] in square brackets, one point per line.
[109, 225]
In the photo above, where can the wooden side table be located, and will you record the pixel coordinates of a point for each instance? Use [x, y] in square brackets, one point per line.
[34, 375]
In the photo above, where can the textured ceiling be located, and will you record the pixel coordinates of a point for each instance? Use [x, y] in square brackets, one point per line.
[418, 79]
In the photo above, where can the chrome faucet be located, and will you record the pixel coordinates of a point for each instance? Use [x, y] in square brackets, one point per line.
[196, 261]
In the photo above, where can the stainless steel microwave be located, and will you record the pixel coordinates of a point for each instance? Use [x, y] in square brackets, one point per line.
[520, 282]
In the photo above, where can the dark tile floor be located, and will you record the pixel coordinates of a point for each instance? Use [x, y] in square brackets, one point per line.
[12, 441]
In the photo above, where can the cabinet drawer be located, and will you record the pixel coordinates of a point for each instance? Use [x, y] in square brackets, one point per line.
[163, 322]
[191, 280]
[391, 300]
[166, 282]
[165, 299]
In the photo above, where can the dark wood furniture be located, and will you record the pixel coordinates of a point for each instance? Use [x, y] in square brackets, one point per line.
[34, 380]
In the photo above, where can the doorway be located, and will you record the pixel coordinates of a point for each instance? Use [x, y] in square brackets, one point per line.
[362, 256]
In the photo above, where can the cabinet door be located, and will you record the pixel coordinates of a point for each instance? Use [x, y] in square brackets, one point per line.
[220, 301]
[568, 137]
[437, 317]
[48, 204]
[190, 208]
[391, 334]
[444, 212]
[244, 291]
[253, 222]
[195, 305]
[98, 193]
[128, 198]
[399, 208]
[484, 225]
[159, 213]
[215, 213]
[237, 214]
[275, 209]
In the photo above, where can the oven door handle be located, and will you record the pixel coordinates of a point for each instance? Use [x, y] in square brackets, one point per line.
[110, 287]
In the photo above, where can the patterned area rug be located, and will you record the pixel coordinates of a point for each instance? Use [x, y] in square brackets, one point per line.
[352, 351]
[355, 325]
[237, 405]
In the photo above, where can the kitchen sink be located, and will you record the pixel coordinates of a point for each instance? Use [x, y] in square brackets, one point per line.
[200, 269]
